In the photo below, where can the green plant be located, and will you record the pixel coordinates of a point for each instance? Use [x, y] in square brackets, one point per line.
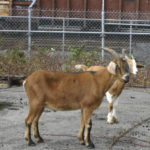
[1, 40]
[16, 62]
[80, 56]
[12, 61]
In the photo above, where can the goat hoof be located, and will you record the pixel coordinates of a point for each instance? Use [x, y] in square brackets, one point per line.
[31, 143]
[91, 146]
[82, 142]
[40, 140]
[110, 122]
[115, 120]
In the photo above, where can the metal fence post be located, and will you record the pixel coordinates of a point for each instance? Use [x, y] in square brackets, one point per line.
[103, 29]
[63, 38]
[130, 44]
[29, 33]
[29, 27]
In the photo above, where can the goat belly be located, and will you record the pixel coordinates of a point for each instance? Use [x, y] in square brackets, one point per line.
[63, 99]
[62, 103]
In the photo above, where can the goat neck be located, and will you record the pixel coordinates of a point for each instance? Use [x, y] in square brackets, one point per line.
[106, 79]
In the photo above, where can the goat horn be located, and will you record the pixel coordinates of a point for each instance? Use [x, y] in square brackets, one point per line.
[111, 51]
[132, 56]
[123, 52]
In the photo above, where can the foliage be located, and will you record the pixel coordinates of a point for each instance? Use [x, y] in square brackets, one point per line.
[12, 61]
[16, 62]
[80, 56]
[1, 40]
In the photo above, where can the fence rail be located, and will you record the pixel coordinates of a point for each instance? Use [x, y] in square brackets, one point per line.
[41, 31]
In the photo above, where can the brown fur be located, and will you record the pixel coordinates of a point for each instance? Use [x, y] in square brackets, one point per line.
[68, 91]
[116, 88]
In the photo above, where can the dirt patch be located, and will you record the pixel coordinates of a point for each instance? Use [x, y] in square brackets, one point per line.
[59, 129]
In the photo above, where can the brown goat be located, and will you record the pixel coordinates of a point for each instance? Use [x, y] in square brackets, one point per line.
[116, 89]
[71, 91]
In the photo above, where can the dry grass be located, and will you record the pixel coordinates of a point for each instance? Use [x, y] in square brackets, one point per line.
[16, 62]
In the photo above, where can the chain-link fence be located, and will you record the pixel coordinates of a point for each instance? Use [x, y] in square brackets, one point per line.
[61, 30]
[35, 29]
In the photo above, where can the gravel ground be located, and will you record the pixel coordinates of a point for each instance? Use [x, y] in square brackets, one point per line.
[59, 129]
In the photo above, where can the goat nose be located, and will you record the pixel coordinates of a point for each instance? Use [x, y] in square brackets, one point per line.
[126, 78]
[136, 71]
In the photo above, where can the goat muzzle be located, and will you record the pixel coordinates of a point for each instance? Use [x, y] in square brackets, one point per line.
[126, 78]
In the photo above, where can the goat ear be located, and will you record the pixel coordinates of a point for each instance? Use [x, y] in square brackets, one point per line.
[112, 67]
[140, 66]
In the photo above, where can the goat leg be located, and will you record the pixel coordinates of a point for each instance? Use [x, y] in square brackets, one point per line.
[90, 143]
[82, 128]
[88, 126]
[28, 135]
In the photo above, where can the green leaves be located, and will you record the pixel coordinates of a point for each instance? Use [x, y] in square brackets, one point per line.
[81, 56]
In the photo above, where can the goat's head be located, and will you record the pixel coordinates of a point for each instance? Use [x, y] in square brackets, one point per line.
[132, 65]
[119, 66]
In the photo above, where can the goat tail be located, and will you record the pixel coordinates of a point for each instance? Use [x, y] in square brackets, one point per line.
[81, 67]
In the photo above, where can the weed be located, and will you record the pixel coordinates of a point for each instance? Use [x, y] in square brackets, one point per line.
[80, 56]
[16, 62]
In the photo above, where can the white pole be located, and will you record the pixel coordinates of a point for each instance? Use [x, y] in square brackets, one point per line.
[29, 27]
[103, 28]
[130, 45]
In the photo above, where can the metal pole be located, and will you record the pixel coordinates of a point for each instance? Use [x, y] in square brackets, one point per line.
[63, 38]
[29, 27]
[29, 33]
[103, 29]
[63, 44]
[130, 44]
